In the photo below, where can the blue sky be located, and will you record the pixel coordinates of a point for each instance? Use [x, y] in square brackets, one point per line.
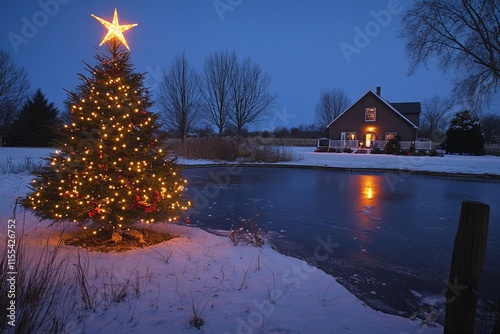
[305, 46]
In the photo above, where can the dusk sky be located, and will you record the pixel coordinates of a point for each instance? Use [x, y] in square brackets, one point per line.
[305, 46]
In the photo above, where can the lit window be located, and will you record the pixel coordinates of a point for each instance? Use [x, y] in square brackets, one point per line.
[348, 136]
[390, 135]
[370, 114]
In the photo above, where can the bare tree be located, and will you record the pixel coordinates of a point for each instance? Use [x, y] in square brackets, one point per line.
[216, 90]
[332, 102]
[435, 117]
[179, 96]
[464, 35]
[250, 93]
[14, 86]
[490, 126]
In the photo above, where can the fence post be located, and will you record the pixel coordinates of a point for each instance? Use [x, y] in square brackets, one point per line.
[496, 328]
[466, 267]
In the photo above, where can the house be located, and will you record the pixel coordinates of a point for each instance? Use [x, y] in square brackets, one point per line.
[372, 121]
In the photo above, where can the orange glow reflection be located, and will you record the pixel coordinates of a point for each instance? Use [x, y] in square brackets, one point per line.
[367, 221]
[369, 189]
[369, 193]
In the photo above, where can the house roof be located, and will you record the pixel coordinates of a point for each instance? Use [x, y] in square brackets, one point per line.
[408, 107]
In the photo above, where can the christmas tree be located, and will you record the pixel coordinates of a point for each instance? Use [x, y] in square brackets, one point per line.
[110, 170]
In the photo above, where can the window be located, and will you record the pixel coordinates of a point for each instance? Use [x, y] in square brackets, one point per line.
[390, 135]
[370, 114]
[348, 136]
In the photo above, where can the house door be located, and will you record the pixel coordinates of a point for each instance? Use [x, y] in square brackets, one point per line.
[369, 138]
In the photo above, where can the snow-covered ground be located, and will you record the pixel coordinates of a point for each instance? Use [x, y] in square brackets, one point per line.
[477, 165]
[234, 289]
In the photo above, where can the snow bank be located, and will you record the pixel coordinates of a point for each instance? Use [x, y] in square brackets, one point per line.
[477, 165]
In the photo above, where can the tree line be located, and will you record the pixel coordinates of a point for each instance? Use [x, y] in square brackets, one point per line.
[227, 93]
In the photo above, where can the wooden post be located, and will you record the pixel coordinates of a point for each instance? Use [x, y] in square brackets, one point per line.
[496, 328]
[466, 267]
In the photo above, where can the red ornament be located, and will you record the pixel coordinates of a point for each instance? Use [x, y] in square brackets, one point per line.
[156, 195]
[151, 208]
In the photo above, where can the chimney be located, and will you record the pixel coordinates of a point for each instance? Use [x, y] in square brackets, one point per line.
[378, 90]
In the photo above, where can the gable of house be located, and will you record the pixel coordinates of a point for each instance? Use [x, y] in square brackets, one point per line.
[373, 118]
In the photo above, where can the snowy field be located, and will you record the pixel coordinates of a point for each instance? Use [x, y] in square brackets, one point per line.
[477, 165]
[234, 289]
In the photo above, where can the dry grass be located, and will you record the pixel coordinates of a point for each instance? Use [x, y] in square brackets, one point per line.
[44, 295]
[230, 149]
[12, 166]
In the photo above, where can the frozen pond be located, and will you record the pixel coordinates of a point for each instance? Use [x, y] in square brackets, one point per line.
[388, 237]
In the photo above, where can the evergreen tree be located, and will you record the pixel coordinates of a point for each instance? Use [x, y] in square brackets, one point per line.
[110, 170]
[36, 124]
[464, 134]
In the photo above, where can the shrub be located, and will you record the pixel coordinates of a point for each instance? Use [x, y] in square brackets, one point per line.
[332, 150]
[248, 232]
[376, 150]
[412, 149]
[322, 149]
[392, 146]
[434, 153]
[347, 150]
[420, 153]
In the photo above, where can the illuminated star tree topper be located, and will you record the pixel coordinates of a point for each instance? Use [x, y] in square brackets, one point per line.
[115, 31]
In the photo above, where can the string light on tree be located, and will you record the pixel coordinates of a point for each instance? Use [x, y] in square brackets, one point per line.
[110, 169]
